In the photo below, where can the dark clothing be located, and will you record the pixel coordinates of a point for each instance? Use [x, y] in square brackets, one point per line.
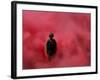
[51, 47]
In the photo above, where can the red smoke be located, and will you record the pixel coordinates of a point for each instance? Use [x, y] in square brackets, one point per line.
[71, 31]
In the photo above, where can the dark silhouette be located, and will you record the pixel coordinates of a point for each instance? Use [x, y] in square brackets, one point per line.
[51, 46]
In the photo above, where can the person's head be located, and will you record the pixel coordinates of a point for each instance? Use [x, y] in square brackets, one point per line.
[51, 35]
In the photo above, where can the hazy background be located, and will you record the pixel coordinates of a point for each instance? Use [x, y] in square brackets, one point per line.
[71, 32]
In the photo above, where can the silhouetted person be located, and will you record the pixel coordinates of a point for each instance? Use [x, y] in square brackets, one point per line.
[51, 46]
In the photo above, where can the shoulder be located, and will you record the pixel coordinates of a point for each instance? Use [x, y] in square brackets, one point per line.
[54, 40]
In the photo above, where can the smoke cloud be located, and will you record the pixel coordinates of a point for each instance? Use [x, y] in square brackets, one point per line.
[71, 32]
